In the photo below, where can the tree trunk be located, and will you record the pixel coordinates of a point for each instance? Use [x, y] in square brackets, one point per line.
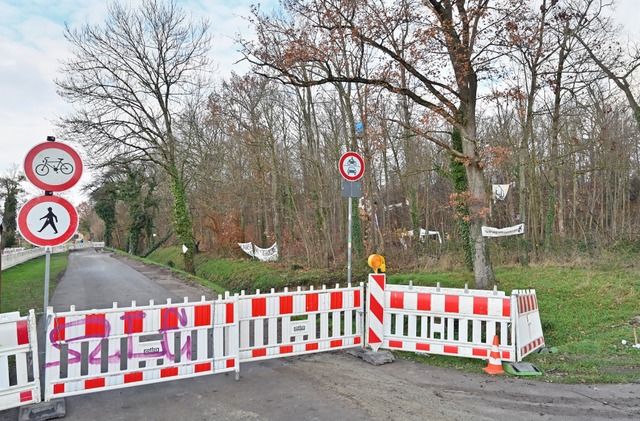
[182, 222]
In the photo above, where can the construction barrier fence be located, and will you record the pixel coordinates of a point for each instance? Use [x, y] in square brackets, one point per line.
[96, 350]
[19, 373]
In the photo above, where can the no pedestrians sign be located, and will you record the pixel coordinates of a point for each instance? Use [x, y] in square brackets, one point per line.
[47, 221]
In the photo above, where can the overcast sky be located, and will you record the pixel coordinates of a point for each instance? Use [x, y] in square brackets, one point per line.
[32, 42]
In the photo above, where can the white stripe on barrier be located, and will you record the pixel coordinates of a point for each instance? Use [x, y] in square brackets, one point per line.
[19, 382]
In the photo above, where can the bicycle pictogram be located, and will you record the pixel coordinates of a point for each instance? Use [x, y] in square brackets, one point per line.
[62, 167]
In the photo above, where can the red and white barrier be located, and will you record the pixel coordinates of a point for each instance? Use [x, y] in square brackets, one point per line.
[300, 322]
[19, 382]
[529, 334]
[89, 351]
[375, 310]
[446, 321]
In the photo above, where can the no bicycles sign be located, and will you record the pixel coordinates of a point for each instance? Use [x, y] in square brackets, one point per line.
[53, 166]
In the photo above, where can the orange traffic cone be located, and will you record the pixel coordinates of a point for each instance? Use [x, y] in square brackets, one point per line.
[495, 363]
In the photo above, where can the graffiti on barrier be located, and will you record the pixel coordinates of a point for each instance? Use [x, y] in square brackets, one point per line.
[139, 345]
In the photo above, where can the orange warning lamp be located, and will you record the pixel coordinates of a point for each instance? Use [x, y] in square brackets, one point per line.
[376, 262]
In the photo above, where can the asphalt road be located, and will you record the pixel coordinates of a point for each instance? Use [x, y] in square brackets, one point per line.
[325, 386]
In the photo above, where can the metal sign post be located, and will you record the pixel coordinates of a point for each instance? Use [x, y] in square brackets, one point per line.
[49, 220]
[351, 168]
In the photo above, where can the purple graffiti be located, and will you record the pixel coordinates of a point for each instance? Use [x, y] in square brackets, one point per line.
[101, 329]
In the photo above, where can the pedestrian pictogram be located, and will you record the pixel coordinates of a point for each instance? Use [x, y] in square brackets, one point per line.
[47, 221]
[53, 166]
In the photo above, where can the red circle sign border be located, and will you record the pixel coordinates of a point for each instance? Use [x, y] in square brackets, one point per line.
[344, 174]
[31, 176]
[31, 237]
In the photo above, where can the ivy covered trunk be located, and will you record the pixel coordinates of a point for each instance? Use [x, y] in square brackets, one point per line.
[182, 222]
[460, 186]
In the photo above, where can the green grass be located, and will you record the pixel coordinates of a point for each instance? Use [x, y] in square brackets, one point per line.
[23, 285]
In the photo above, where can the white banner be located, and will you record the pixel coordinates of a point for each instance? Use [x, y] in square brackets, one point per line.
[502, 232]
[500, 191]
[247, 248]
[267, 255]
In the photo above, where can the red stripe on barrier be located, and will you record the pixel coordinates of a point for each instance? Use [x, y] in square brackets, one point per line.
[506, 307]
[169, 372]
[423, 347]
[231, 363]
[311, 347]
[479, 352]
[133, 321]
[133, 377]
[373, 338]
[356, 340]
[336, 343]
[95, 326]
[380, 280]
[58, 333]
[336, 300]
[312, 302]
[201, 368]
[397, 299]
[22, 332]
[287, 349]
[448, 349]
[395, 344]
[481, 305]
[286, 304]
[376, 309]
[26, 396]
[451, 303]
[168, 318]
[94, 383]
[506, 355]
[424, 302]
[202, 315]
[229, 318]
[261, 352]
[258, 307]
[356, 298]
[58, 388]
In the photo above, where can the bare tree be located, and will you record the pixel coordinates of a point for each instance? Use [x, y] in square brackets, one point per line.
[447, 47]
[129, 79]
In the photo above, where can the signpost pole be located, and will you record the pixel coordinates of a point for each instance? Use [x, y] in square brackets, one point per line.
[47, 271]
[349, 239]
[351, 166]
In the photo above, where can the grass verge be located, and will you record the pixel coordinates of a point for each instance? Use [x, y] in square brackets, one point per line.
[23, 285]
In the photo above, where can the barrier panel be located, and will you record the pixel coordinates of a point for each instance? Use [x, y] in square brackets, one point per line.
[19, 370]
[90, 351]
[447, 321]
[529, 335]
[300, 322]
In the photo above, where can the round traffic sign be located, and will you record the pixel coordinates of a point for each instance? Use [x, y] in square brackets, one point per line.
[53, 166]
[47, 221]
[351, 166]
